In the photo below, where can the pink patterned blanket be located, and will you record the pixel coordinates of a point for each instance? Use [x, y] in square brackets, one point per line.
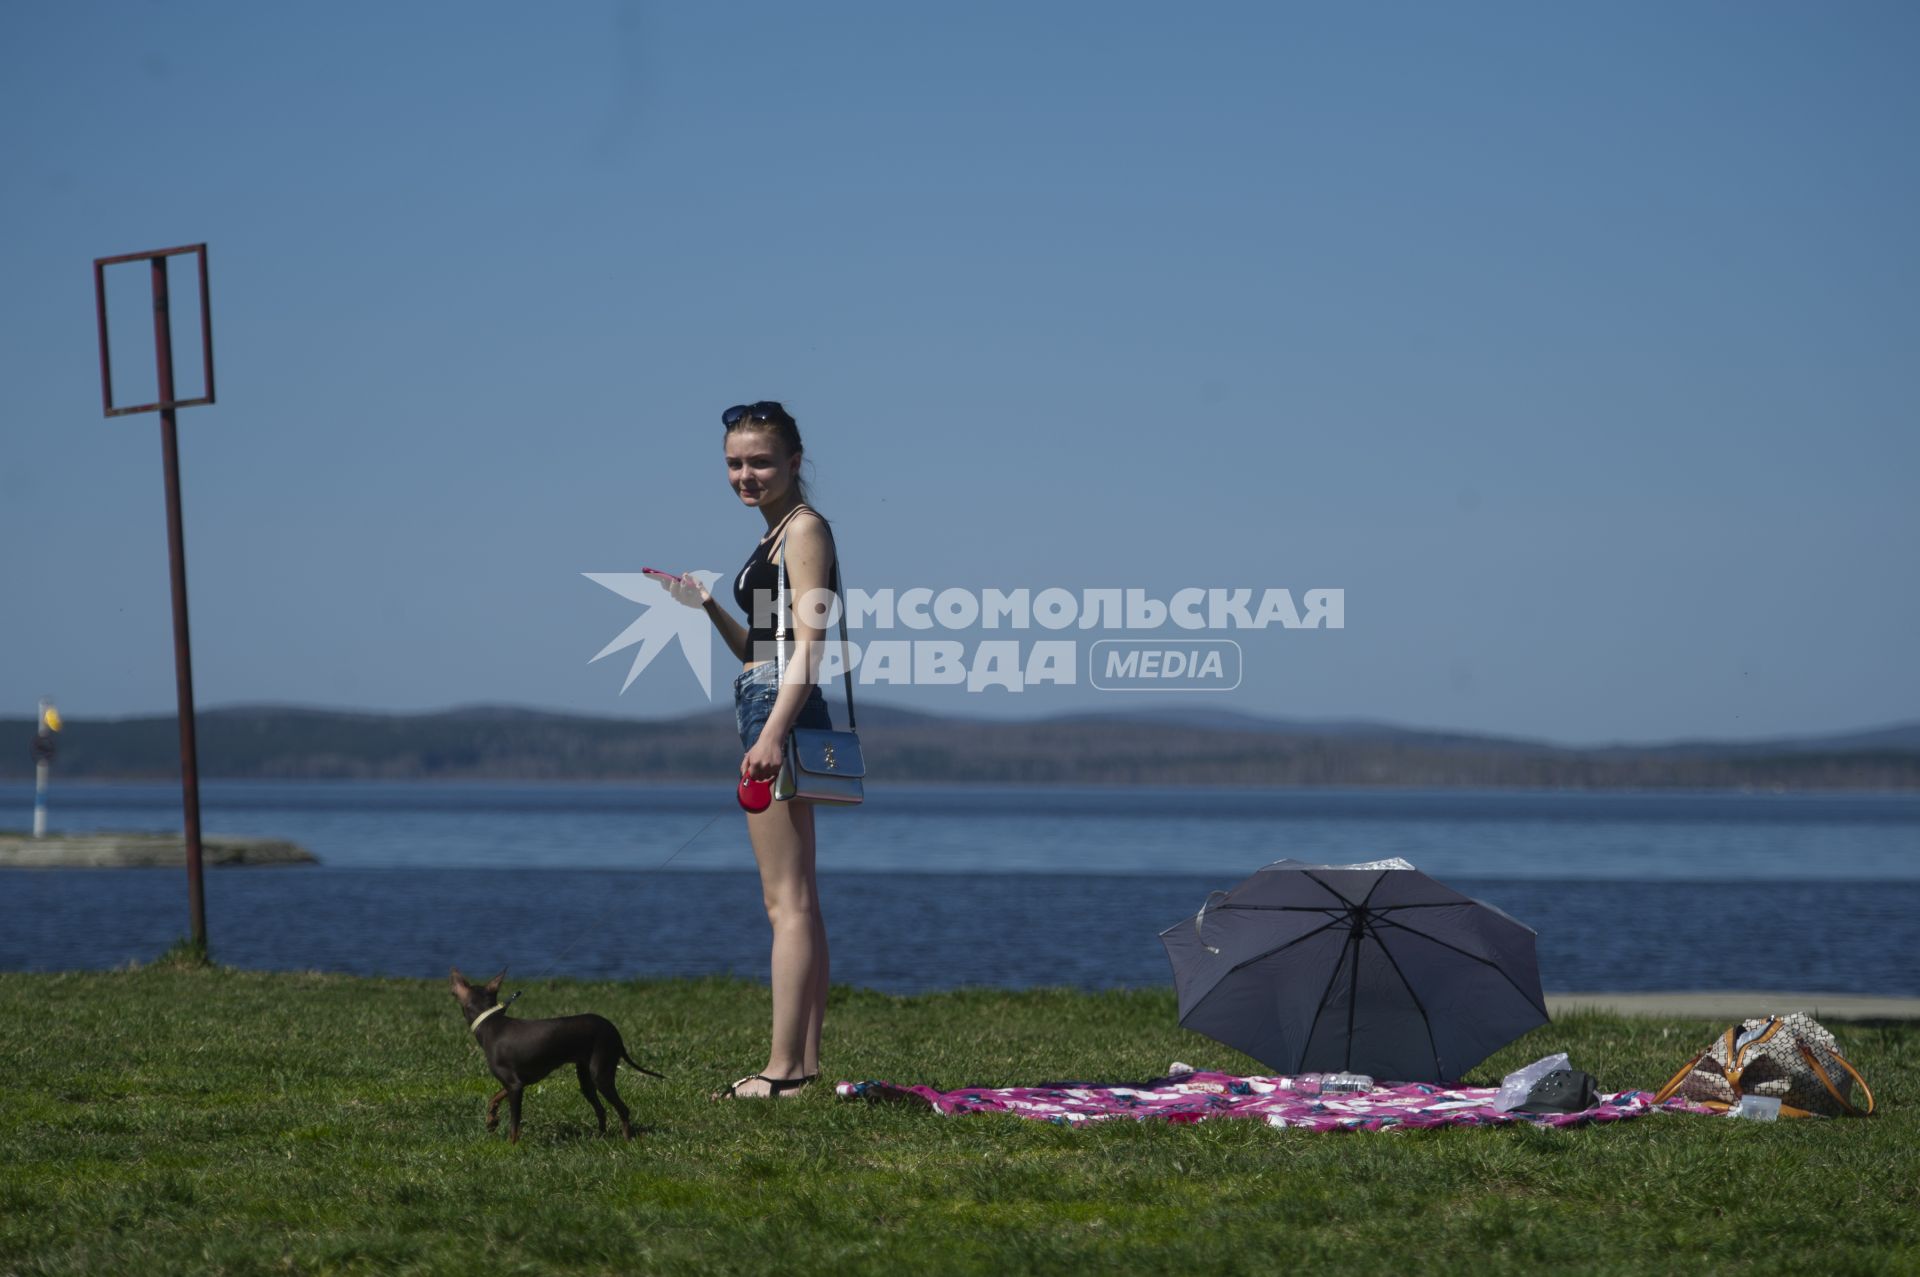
[1189, 1096]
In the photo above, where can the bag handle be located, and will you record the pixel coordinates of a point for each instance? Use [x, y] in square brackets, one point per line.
[1673, 1084]
[780, 622]
[1826, 1080]
[1855, 1074]
[1705, 1057]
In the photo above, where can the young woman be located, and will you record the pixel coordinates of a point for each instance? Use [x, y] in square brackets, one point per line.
[763, 466]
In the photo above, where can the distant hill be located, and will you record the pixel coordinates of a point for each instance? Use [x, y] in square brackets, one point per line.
[1197, 716]
[1903, 736]
[1134, 747]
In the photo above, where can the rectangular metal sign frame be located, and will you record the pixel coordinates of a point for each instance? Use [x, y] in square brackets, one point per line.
[100, 265]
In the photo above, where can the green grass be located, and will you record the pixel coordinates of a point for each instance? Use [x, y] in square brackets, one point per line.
[183, 1119]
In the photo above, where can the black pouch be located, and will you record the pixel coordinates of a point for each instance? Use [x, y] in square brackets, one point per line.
[1562, 1091]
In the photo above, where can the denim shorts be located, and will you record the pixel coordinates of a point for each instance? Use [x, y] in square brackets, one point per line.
[754, 692]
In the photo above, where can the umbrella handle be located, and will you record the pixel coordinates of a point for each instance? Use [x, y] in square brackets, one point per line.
[1200, 917]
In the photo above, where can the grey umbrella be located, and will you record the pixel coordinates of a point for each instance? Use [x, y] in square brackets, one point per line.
[1374, 968]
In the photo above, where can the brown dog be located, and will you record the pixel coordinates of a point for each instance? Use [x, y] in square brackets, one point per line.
[521, 1052]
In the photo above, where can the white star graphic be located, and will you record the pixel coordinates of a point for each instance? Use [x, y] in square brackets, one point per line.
[663, 622]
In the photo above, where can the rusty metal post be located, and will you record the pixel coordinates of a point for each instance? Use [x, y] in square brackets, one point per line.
[176, 534]
[182, 638]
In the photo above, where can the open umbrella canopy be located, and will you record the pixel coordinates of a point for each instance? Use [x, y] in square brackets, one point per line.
[1374, 968]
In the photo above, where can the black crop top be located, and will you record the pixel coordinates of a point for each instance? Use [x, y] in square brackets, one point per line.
[759, 578]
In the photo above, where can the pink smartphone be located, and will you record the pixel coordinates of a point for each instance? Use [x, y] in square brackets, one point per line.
[669, 575]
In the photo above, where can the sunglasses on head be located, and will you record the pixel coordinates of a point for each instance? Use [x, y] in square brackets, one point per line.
[766, 412]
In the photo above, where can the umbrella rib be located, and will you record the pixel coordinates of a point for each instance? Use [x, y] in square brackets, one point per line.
[1485, 962]
[1330, 891]
[1314, 1020]
[1426, 1021]
[1336, 916]
[1261, 957]
[1353, 911]
[1336, 911]
[1364, 915]
[1353, 991]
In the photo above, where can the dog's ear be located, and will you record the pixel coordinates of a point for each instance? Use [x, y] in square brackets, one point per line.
[459, 981]
[493, 985]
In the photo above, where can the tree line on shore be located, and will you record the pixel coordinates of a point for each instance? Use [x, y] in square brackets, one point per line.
[515, 744]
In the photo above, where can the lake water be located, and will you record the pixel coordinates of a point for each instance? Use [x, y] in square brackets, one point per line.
[936, 887]
[969, 830]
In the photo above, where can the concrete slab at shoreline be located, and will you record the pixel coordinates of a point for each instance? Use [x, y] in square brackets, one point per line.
[1738, 1005]
[116, 850]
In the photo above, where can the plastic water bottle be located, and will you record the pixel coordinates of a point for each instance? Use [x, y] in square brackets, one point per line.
[1346, 1082]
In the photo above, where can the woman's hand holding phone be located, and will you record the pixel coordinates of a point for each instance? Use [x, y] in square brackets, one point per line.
[684, 588]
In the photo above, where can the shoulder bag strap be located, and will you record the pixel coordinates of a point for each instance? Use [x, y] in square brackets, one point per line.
[780, 623]
[779, 543]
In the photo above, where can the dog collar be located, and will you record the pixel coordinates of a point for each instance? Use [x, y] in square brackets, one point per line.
[475, 1026]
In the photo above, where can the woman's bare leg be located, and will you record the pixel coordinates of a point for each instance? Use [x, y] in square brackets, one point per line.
[784, 847]
[817, 999]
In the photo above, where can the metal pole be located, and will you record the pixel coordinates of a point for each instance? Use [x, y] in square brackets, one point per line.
[40, 797]
[182, 644]
[43, 763]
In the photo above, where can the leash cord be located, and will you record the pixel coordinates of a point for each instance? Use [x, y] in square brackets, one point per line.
[593, 927]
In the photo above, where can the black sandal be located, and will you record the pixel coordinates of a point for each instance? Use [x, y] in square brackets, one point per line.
[776, 1086]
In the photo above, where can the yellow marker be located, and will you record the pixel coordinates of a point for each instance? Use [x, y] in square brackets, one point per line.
[52, 717]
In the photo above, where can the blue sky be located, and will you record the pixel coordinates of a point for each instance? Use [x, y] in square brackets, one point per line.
[1576, 345]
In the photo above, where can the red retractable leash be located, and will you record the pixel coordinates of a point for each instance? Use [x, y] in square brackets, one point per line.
[755, 795]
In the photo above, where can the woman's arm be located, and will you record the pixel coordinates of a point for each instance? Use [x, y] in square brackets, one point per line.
[686, 589]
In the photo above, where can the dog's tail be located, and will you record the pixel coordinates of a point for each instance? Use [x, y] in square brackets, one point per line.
[635, 1064]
